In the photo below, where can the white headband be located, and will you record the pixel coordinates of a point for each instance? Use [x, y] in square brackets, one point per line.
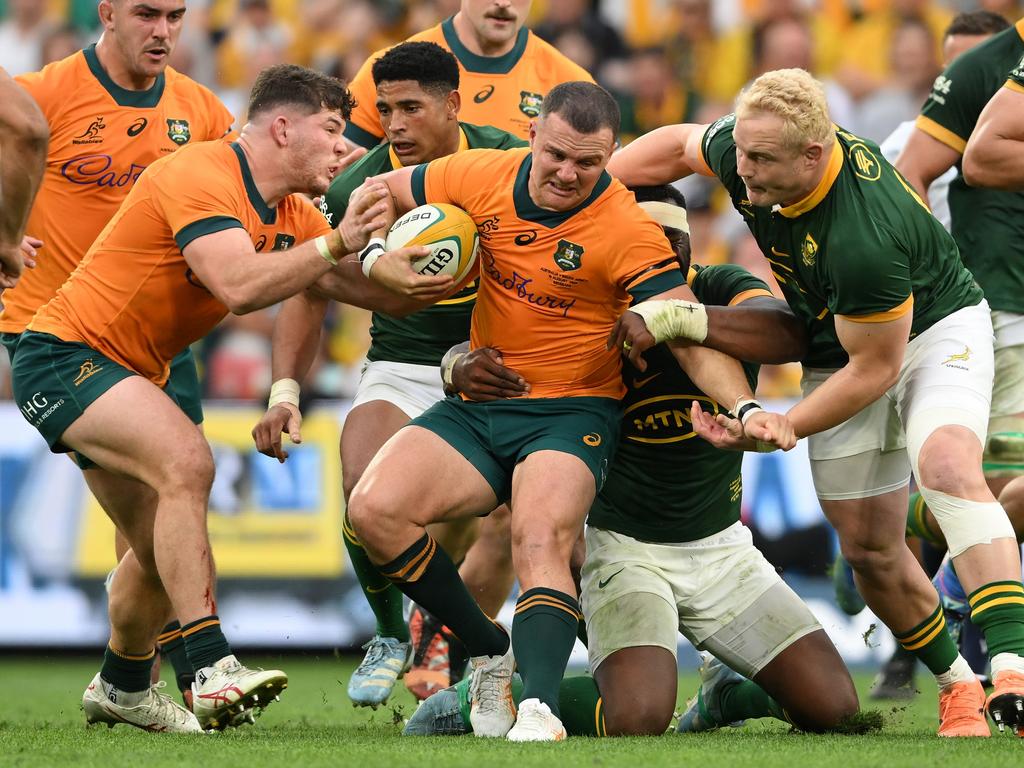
[667, 214]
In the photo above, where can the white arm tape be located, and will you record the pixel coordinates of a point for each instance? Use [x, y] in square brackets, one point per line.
[369, 255]
[669, 319]
[284, 391]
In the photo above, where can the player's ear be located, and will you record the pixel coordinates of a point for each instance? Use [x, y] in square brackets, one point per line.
[454, 104]
[279, 128]
[813, 152]
[106, 12]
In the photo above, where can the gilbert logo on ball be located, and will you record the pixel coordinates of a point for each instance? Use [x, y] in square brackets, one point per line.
[447, 230]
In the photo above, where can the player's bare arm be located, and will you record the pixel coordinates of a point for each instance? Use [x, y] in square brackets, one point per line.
[661, 156]
[760, 330]
[876, 354]
[993, 157]
[24, 135]
[245, 280]
[923, 160]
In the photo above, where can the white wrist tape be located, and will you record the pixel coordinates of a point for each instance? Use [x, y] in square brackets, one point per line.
[284, 391]
[668, 319]
[449, 369]
[325, 250]
[369, 255]
[745, 408]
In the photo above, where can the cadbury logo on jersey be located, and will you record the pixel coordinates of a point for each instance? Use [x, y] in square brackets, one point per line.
[521, 287]
[92, 134]
[96, 169]
[177, 131]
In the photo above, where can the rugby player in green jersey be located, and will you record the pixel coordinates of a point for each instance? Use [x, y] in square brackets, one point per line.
[418, 101]
[988, 226]
[667, 553]
[865, 265]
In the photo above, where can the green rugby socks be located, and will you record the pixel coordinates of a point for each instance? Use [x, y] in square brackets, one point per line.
[997, 609]
[384, 598]
[578, 699]
[746, 700]
[918, 525]
[205, 643]
[125, 671]
[172, 646]
[429, 577]
[930, 642]
[543, 634]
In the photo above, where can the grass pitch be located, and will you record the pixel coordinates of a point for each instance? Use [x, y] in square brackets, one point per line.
[41, 724]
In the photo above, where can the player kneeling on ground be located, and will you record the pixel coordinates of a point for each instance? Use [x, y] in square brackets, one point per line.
[682, 561]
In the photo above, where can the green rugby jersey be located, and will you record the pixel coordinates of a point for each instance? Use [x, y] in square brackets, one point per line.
[861, 244]
[988, 224]
[666, 484]
[423, 337]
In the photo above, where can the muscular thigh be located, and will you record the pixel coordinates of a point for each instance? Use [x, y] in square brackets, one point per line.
[367, 427]
[420, 473]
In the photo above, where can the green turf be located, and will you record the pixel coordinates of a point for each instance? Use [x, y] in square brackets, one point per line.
[314, 724]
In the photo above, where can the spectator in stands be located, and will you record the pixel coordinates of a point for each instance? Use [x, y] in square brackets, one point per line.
[22, 35]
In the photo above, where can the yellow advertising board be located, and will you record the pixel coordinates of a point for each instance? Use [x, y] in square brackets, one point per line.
[266, 520]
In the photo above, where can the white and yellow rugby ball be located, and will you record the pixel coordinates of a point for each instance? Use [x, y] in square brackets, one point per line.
[449, 232]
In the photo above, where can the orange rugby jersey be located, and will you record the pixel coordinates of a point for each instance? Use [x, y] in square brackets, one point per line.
[552, 284]
[101, 138]
[134, 297]
[503, 91]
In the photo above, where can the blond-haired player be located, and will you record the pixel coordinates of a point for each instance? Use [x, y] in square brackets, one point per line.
[864, 263]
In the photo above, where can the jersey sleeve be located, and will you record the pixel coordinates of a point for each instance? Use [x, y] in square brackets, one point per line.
[459, 179]
[957, 97]
[334, 202]
[870, 279]
[718, 150]
[1015, 80]
[644, 264]
[196, 201]
[725, 285]
[220, 119]
[363, 127]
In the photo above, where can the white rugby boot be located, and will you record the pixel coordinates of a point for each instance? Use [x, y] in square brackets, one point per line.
[536, 722]
[492, 711]
[149, 710]
[228, 694]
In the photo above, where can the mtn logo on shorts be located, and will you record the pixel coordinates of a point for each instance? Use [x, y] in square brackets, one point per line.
[87, 369]
[568, 255]
[178, 132]
[529, 103]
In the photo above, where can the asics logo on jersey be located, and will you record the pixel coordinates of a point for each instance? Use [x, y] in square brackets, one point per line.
[137, 127]
[91, 135]
[604, 582]
[520, 286]
[483, 95]
[526, 238]
[95, 169]
[87, 369]
[261, 243]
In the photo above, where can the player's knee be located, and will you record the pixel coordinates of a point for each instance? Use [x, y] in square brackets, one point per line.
[866, 555]
[641, 718]
[829, 711]
[370, 514]
[950, 462]
[187, 471]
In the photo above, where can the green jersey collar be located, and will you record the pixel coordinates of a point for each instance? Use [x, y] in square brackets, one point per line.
[267, 214]
[527, 210]
[488, 65]
[835, 165]
[146, 99]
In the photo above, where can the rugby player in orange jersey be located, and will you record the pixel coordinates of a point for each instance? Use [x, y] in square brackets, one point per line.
[205, 231]
[23, 138]
[112, 109]
[568, 251]
[504, 70]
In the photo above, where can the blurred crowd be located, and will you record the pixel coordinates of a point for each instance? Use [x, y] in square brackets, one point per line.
[667, 61]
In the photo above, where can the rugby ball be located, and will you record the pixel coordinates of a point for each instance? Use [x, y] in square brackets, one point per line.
[448, 230]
